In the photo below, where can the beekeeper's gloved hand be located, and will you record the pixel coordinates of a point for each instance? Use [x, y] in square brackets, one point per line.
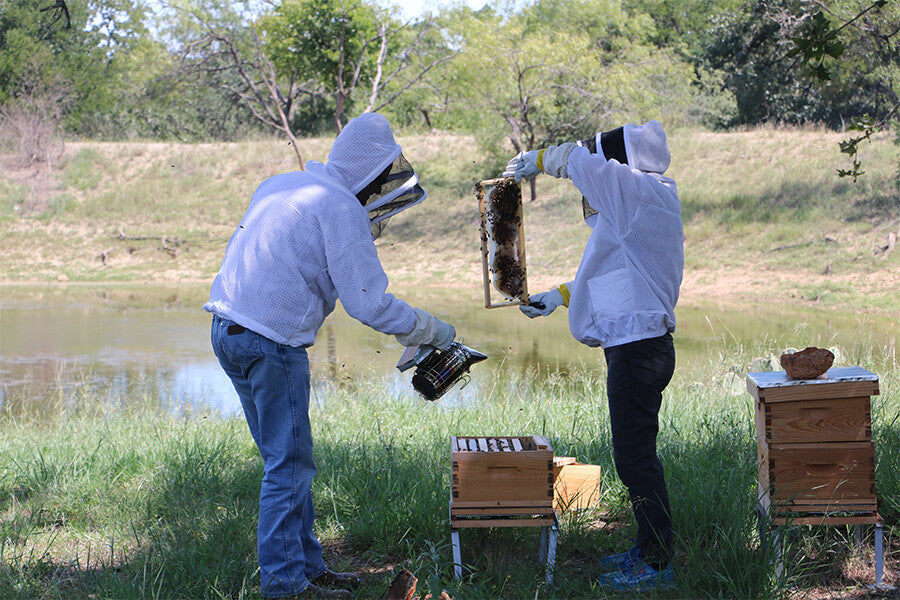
[429, 331]
[523, 165]
[541, 305]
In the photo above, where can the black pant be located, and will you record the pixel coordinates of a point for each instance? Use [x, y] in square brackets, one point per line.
[637, 375]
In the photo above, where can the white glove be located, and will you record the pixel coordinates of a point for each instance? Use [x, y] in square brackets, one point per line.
[429, 331]
[522, 166]
[541, 305]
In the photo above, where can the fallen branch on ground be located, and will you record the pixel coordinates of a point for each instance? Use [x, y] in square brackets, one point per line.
[889, 247]
[827, 240]
[138, 238]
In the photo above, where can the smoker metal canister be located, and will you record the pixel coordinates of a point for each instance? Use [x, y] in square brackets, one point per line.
[441, 369]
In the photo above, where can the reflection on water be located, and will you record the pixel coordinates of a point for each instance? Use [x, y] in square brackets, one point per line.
[55, 356]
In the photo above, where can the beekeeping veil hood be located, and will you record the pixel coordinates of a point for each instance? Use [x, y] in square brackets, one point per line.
[642, 147]
[374, 169]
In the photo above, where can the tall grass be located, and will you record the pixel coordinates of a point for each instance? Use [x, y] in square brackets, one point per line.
[146, 505]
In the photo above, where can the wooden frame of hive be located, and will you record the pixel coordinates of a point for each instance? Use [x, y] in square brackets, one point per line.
[501, 481]
[486, 240]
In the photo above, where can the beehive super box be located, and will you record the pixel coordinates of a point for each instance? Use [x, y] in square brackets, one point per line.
[814, 439]
[503, 477]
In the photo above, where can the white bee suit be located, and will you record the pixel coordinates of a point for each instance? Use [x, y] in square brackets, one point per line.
[627, 283]
[305, 241]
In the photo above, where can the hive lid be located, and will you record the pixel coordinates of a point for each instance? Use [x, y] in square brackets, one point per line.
[772, 379]
[850, 380]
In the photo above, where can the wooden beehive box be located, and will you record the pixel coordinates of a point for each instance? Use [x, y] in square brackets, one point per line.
[494, 470]
[814, 439]
[505, 477]
[577, 485]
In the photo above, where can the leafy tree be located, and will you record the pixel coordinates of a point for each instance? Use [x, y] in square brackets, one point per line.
[31, 39]
[349, 48]
[749, 43]
[683, 25]
[329, 44]
[220, 43]
[79, 49]
[155, 98]
[560, 70]
[293, 61]
[826, 43]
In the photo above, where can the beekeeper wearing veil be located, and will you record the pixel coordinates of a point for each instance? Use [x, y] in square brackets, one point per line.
[307, 240]
[623, 299]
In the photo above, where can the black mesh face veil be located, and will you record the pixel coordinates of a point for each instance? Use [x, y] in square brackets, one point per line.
[613, 145]
[396, 189]
[590, 144]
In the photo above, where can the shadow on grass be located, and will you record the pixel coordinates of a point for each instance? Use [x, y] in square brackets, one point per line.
[882, 207]
[796, 201]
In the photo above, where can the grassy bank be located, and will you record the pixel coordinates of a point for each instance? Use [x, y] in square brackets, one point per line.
[766, 218]
[103, 502]
[99, 503]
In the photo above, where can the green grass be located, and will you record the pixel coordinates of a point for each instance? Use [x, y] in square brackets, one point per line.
[85, 169]
[13, 198]
[103, 503]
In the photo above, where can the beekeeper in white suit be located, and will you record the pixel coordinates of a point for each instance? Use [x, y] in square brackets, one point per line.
[307, 240]
[623, 299]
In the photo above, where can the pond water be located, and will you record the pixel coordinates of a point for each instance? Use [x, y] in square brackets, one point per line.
[56, 354]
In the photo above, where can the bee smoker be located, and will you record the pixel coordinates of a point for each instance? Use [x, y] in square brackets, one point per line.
[438, 370]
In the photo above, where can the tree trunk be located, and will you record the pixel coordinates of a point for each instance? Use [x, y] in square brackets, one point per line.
[339, 111]
[427, 120]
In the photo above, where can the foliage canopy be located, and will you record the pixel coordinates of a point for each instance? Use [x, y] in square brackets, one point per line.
[514, 74]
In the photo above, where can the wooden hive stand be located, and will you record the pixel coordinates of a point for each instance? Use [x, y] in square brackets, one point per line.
[503, 482]
[815, 453]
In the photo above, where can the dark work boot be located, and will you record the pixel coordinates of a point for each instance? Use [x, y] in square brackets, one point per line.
[329, 578]
[314, 592]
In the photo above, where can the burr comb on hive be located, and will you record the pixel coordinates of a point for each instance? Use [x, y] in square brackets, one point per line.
[502, 241]
[808, 363]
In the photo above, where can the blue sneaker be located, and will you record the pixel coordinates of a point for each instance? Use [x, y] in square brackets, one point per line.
[639, 577]
[621, 561]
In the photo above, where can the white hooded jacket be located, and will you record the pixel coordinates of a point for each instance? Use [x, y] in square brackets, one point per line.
[305, 241]
[628, 281]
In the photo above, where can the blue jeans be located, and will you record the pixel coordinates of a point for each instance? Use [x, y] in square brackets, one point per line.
[637, 374]
[272, 381]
